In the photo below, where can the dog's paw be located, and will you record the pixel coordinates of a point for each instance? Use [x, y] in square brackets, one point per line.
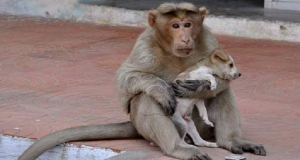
[209, 123]
[212, 145]
[213, 83]
[213, 86]
[206, 144]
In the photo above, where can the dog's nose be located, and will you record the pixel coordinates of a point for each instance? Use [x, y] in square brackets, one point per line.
[237, 75]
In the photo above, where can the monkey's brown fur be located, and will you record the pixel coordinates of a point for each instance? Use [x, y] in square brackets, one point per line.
[161, 52]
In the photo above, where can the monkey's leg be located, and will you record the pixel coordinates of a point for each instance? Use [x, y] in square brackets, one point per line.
[223, 111]
[152, 123]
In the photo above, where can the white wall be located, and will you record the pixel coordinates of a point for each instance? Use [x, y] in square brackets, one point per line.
[72, 10]
[283, 4]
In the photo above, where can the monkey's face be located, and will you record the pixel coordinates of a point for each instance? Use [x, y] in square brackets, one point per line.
[182, 34]
[177, 27]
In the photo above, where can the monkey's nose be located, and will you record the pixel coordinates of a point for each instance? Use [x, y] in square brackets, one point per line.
[185, 41]
[240, 74]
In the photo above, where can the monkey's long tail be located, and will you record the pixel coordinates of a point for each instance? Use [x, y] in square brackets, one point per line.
[95, 132]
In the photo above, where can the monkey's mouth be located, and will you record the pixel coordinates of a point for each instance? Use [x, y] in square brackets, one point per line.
[185, 50]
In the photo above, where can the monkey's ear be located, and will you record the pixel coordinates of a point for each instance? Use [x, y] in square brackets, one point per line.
[203, 11]
[152, 18]
[219, 55]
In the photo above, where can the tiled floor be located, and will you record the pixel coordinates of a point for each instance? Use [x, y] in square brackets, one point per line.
[56, 74]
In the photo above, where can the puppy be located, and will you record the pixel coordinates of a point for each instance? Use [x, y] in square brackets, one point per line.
[219, 64]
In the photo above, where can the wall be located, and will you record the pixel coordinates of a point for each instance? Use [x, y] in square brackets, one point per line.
[72, 10]
[283, 4]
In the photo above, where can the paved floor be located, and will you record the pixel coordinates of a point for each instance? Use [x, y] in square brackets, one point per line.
[56, 74]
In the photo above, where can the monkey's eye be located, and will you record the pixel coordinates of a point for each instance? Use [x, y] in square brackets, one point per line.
[231, 65]
[187, 25]
[175, 25]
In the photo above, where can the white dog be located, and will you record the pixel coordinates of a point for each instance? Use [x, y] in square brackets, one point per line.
[219, 64]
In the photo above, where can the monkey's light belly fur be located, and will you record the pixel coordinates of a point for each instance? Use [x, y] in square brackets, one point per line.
[12, 147]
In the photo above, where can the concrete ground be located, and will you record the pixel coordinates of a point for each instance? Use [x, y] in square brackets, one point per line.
[56, 74]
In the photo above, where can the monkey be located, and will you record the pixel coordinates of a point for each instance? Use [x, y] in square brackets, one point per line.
[174, 40]
[219, 64]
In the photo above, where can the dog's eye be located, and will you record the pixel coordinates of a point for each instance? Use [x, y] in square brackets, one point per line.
[231, 65]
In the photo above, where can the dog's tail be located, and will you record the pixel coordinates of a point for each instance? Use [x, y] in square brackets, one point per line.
[95, 132]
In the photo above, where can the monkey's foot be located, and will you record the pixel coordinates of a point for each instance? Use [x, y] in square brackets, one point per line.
[201, 157]
[239, 148]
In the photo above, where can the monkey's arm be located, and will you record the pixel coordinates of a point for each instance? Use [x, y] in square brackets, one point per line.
[135, 82]
[198, 88]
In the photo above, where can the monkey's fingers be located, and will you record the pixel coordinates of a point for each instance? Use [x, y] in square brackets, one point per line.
[192, 86]
[172, 107]
[179, 91]
[205, 86]
[203, 157]
[256, 149]
[237, 150]
[195, 85]
[171, 92]
[169, 102]
[172, 102]
[169, 108]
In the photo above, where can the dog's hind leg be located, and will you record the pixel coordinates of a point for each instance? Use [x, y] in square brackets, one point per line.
[198, 141]
[152, 123]
[223, 111]
[203, 112]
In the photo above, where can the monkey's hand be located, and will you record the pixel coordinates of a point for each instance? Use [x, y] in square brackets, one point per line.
[199, 88]
[165, 96]
[169, 103]
[189, 88]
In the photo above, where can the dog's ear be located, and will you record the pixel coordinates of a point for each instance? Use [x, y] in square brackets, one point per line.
[219, 55]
